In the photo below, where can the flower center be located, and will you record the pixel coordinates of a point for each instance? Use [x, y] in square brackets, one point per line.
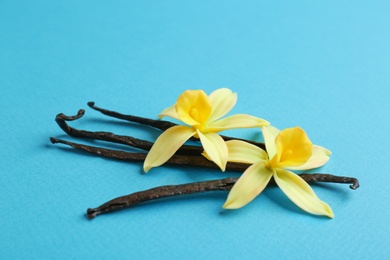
[194, 113]
[272, 163]
[293, 147]
[193, 108]
[268, 165]
[286, 154]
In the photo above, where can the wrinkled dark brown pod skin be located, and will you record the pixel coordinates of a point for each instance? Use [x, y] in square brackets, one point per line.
[197, 187]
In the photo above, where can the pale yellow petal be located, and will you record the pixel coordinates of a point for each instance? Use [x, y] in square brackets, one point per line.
[170, 112]
[269, 134]
[222, 101]
[251, 183]
[299, 192]
[319, 157]
[193, 107]
[243, 152]
[236, 121]
[215, 147]
[206, 156]
[166, 145]
[293, 147]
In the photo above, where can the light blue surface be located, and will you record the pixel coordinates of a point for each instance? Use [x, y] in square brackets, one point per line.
[322, 65]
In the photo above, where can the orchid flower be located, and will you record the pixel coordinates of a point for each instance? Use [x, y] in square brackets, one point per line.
[202, 115]
[286, 149]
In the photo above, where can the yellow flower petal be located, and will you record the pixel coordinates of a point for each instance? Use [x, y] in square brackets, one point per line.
[222, 101]
[251, 183]
[299, 192]
[293, 148]
[170, 111]
[193, 107]
[243, 152]
[269, 134]
[319, 157]
[236, 121]
[166, 145]
[215, 148]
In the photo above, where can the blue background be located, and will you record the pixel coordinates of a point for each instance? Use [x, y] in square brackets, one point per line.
[322, 65]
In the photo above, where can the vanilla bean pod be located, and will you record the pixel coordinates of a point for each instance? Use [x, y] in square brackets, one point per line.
[197, 187]
[177, 159]
[159, 124]
[108, 153]
[105, 136]
[61, 120]
[199, 161]
[159, 193]
[323, 177]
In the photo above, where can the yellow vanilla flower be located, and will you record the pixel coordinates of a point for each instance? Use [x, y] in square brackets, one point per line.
[287, 149]
[202, 115]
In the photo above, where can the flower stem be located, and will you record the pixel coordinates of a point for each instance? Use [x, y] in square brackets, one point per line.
[196, 187]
